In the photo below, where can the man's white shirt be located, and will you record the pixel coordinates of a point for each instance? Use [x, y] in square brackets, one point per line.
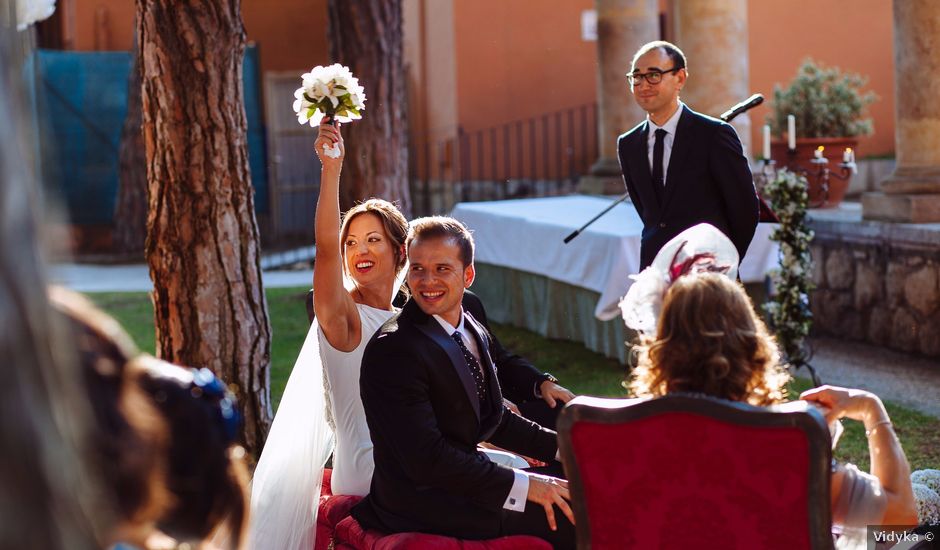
[668, 139]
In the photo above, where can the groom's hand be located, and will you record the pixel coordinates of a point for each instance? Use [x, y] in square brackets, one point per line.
[552, 393]
[550, 491]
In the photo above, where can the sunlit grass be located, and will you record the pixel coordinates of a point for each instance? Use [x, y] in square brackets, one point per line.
[579, 369]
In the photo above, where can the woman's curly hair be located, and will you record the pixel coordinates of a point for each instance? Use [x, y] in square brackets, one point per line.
[710, 340]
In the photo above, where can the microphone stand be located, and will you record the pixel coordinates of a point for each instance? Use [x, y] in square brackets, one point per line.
[727, 116]
[595, 218]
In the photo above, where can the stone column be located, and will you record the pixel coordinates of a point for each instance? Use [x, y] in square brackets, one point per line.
[912, 192]
[713, 36]
[622, 27]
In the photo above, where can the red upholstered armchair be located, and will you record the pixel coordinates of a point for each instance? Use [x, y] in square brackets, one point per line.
[689, 471]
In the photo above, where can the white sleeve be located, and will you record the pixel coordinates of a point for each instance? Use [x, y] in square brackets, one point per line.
[520, 490]
[861, 500]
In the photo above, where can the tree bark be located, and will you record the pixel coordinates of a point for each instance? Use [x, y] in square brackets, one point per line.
[130, 212]
[202, 244]
[366, 36]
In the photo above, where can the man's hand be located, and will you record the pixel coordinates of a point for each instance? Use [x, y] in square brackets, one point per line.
[552, 392]
[550, 491]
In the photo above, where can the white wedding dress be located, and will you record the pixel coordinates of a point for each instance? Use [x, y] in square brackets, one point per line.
[285, 489]
[352, 454]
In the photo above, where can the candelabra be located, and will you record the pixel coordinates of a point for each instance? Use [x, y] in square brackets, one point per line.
[820, 174]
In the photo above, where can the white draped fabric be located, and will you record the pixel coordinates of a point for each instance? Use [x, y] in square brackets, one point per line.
[527, 235]
[285, 490]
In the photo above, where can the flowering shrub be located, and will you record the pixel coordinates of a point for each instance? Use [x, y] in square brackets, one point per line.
[825, 101]
[929, 477]
[928, 504]
[789, 307]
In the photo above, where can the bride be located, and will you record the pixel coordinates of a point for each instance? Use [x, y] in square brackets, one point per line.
[355, 279]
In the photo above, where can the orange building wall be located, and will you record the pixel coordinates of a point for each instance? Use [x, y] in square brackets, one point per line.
[855, 35]
[291, 33]
[517, 60]
[494, 61]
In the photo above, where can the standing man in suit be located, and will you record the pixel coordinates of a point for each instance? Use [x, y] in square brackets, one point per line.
[430, 394]
[532, 394]
[680, 167]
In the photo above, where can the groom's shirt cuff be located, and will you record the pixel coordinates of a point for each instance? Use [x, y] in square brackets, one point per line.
[517, 495]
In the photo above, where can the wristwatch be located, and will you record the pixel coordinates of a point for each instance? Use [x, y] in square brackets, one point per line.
[548, 376]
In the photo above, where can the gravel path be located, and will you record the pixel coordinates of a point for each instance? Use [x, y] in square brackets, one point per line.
[904, 379]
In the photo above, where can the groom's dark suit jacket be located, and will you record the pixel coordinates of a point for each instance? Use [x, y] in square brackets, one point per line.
[425, 421]
[708, 181]
[518, 378]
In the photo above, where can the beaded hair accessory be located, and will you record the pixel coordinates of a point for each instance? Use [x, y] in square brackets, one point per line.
[202, 385]
[205, 384]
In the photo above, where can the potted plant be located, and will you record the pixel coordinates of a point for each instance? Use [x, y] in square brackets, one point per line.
[829, 107]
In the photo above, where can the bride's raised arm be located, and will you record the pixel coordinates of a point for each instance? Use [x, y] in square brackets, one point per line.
[334, 307]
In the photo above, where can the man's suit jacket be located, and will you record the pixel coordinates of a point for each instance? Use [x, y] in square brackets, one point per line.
[518, 378]
[425, 421]
[708, 180]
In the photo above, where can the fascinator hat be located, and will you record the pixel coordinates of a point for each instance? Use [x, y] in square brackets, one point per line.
[701, 248]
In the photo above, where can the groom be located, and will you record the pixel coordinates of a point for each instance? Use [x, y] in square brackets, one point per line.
[682, 168]
[430, 394]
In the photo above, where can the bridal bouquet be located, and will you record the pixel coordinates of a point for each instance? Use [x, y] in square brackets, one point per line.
[32, 11]
[329, 92]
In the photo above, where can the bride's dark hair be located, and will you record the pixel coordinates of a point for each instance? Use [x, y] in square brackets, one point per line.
[709, 340]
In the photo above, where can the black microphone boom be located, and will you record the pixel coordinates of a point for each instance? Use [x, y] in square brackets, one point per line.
[745, 105]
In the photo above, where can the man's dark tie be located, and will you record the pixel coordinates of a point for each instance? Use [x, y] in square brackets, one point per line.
[658, 159]
[473, 365]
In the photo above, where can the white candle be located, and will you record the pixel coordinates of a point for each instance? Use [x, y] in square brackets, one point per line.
[766, 141]
[847, 155]
[819, 152]
[791, 132]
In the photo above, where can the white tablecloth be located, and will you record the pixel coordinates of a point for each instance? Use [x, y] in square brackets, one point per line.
[528, 234]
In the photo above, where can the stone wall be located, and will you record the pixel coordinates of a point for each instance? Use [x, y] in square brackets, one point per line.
[876, 282]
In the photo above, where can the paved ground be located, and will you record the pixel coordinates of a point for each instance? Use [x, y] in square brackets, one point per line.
[899, 377]
[130, 278]
[904, 379]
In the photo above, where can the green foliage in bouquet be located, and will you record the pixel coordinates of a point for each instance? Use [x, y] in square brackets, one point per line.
[789, 310]
[825, 102]
[345, 104]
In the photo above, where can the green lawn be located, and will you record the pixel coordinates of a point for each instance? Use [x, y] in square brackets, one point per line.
[581, 370]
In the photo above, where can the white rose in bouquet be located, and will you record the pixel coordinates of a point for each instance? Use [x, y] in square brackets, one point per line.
[32, 11]
[329, 92]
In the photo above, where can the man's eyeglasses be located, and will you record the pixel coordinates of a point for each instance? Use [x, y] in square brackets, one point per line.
[653, 77]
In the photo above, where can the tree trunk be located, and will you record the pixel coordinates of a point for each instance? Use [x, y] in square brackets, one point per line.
[46, 487]
[202, 243]
[130, 212]
[366, 36]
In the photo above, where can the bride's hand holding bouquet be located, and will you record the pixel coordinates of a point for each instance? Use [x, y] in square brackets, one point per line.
[330, 139]
[329, 95]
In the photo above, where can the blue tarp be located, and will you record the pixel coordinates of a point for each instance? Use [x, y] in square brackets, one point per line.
[82, 99]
